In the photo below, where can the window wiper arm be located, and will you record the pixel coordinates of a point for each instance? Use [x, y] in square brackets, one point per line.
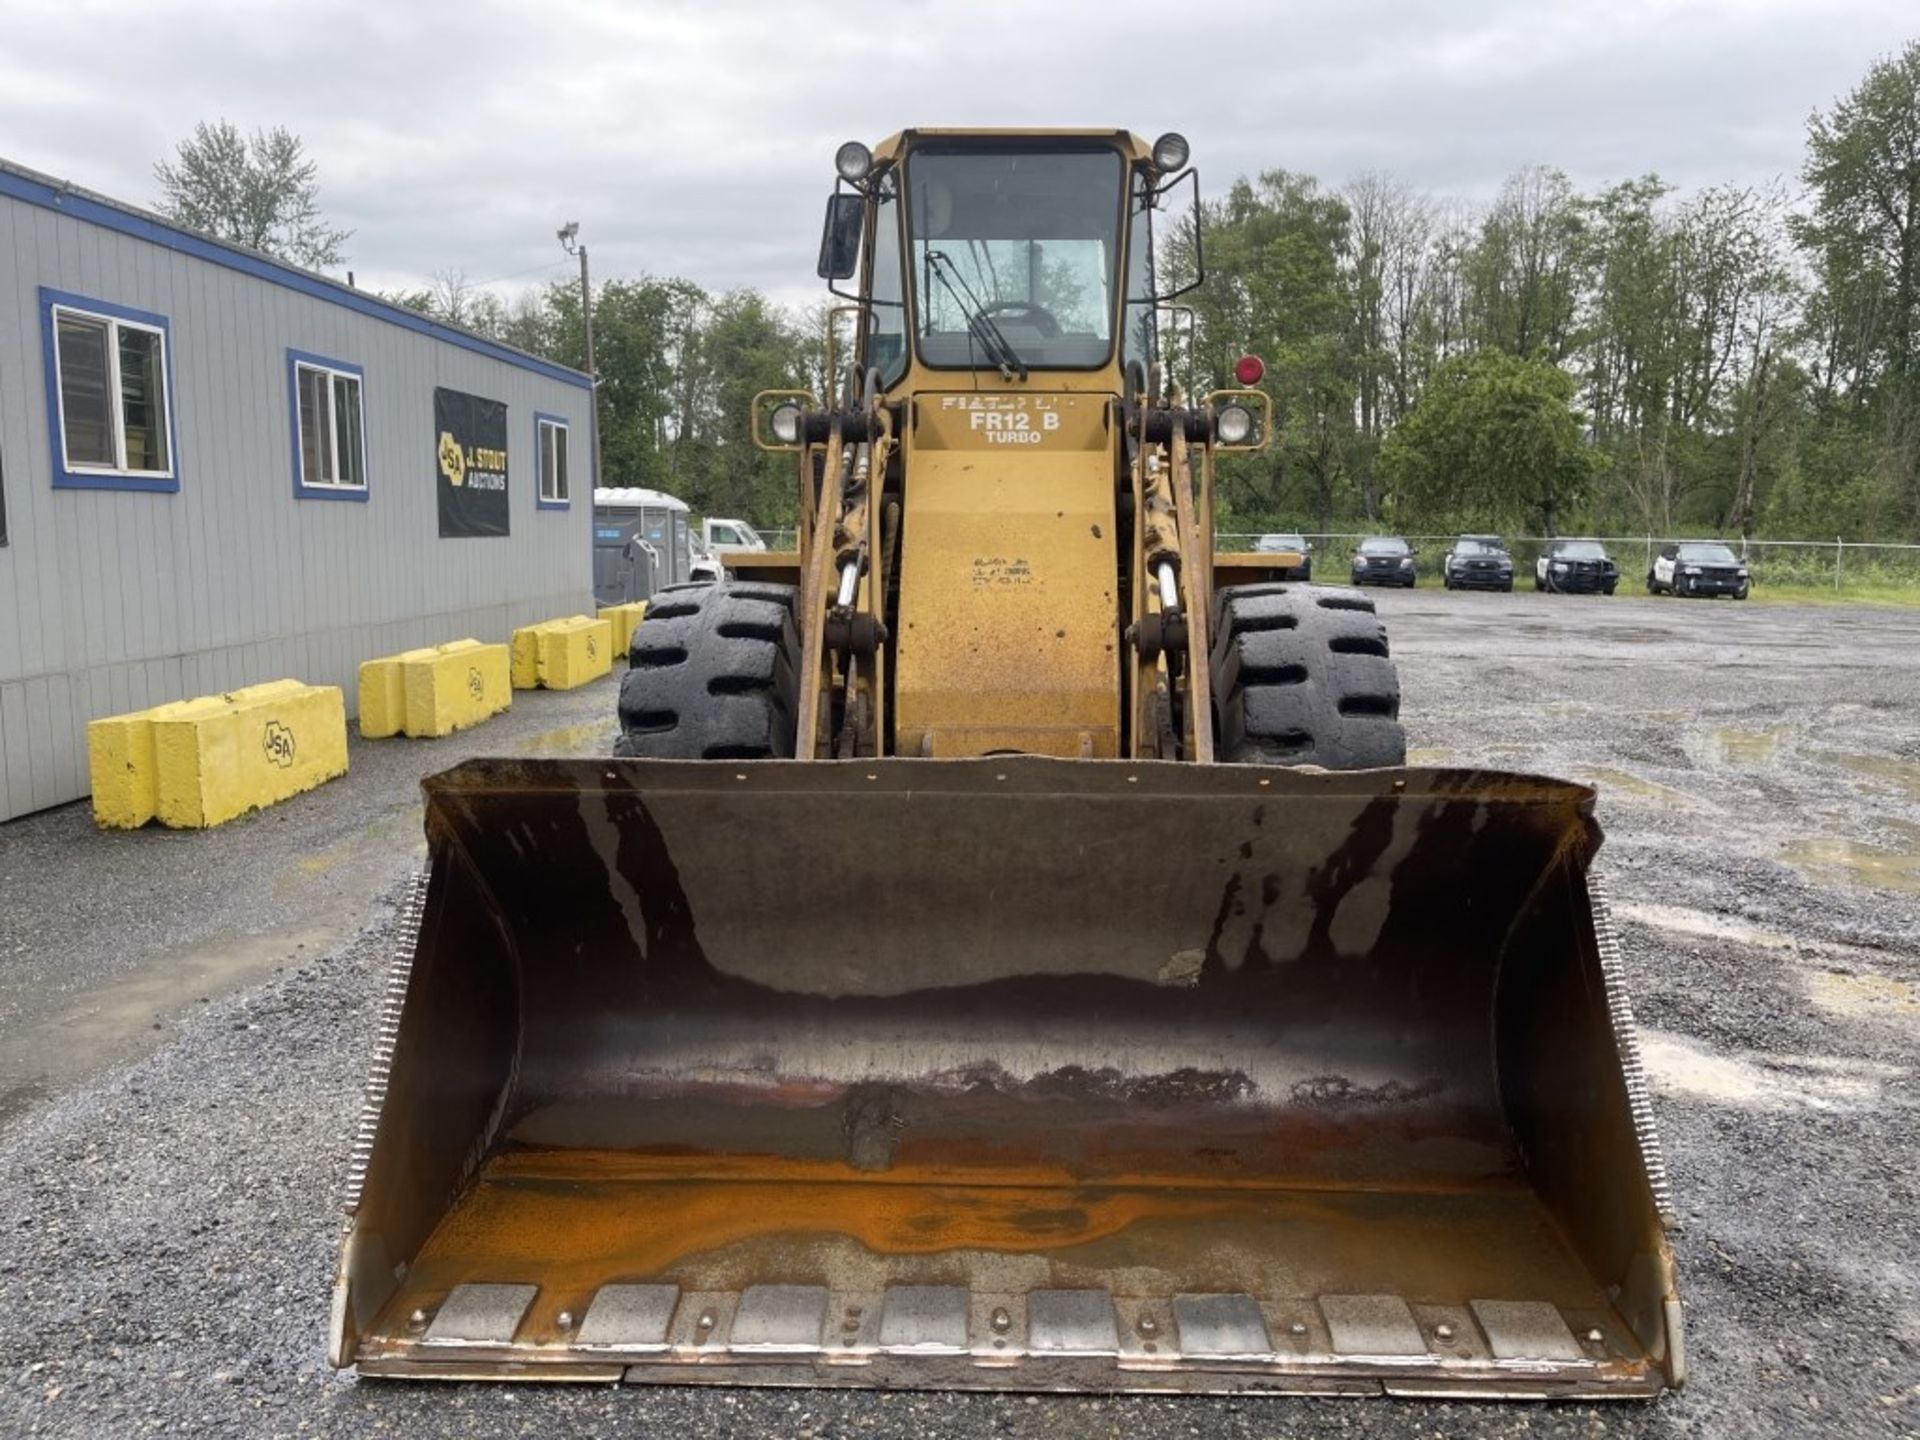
[999, 349]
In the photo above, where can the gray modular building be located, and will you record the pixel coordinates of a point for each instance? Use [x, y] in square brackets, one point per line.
[218, 469]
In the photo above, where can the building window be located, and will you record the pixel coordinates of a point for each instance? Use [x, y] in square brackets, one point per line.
[109, 394]
[329, 428]
[550, 435]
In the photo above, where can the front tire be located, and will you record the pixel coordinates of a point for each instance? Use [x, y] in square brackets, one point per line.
[713, 674]
[1302, 676]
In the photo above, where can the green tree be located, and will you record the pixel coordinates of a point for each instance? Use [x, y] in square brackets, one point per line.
[643, 332]
[746, 345]
[1863, 238]
[1277, 285]
[1494, 440]
[1523, 270]
[261, 192]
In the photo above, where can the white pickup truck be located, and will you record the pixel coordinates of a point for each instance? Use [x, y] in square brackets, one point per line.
[724, 535]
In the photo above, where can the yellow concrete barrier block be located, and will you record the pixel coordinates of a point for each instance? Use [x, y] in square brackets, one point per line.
[383, 697]
[562, 654]
[194, 763]
[120, 764]
[624, 619]
[575, 651]
[453, 686]
[434, 690]
[224, 755]
[525, 649]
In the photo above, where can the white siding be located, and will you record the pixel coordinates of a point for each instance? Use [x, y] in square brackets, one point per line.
[116, 600]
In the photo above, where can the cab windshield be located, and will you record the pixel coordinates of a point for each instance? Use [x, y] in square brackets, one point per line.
[1021, 242]
[1712, 554]
[1580, 550]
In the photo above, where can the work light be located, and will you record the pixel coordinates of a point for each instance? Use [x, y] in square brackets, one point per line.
[853, 160]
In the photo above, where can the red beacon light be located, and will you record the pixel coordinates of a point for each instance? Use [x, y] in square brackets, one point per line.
[1249, 369]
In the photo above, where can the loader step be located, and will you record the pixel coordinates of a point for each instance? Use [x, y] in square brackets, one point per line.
[561, 1265]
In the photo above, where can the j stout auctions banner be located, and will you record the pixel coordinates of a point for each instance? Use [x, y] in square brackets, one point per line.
[472, 457]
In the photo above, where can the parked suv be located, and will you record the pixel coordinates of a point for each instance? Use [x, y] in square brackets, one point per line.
[1698, 567]
[1576, 567]
[1383, 560]
[1478, 562]
[1291, 552]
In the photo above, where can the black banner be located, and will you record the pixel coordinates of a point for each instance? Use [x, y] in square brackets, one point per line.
[470, 457]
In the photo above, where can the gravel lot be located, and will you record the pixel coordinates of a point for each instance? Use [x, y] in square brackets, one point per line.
[185, 1021]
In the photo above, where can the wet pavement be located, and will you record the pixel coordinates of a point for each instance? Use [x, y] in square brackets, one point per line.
[169, 1197]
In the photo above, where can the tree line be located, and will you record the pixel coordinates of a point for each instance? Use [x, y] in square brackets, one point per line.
[1741, 359]
[1627, 360]
[678, 368]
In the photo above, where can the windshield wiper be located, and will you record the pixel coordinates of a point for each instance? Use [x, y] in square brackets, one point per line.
[992, 339]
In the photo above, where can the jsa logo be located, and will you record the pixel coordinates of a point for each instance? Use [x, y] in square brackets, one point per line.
[1013, 427]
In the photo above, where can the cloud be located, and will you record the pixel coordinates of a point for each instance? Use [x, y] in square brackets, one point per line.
[697, 138]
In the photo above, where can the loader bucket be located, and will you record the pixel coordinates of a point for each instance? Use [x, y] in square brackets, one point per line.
[1011, 1073]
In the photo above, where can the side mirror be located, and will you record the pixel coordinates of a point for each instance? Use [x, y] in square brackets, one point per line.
[840, 236]
[1190, 177]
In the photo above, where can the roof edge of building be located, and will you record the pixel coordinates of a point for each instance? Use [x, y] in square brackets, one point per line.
[63, 197]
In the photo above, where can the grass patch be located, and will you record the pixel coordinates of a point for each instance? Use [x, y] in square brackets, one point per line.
[1867, 593]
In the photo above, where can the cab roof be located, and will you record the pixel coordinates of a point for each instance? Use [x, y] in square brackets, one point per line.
[890, 148]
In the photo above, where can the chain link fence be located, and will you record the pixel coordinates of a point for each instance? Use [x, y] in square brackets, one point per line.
[1838, 565]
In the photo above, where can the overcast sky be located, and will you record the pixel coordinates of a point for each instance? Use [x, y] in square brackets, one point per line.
[697, 139]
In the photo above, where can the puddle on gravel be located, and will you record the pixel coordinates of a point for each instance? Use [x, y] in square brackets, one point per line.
[1624, 782]
[1730, 745]
[1630, 634]
[1680, 921]
[1901, 774]
[1762, 1082]
[570, 740]
[1859, 864]
[1872, 996]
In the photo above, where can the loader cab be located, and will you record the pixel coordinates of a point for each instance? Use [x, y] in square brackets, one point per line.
[984, 254]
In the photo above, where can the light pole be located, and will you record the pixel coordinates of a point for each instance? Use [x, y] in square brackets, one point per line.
[568, 234]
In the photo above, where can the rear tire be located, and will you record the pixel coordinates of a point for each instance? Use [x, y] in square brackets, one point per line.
[713, 674]
[1302, 676]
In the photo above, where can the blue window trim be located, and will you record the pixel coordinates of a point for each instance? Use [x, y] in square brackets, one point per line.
[540, 502]
[302, 490]
[96, 210]
[85, 479]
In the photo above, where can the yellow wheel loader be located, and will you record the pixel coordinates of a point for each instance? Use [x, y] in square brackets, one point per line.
[1006, 950]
